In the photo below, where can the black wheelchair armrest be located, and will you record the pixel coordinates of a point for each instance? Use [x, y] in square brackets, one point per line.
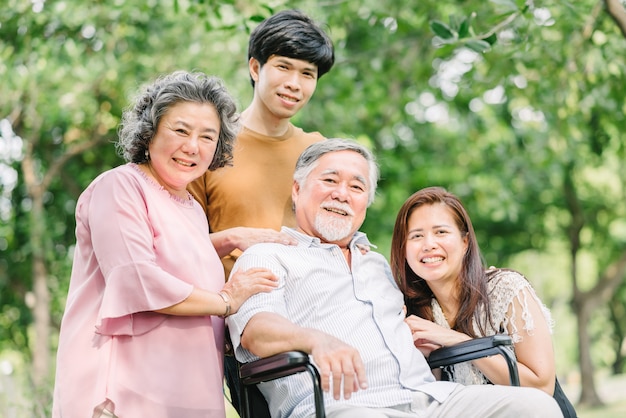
[281, 365]
[475, 349]
[274, 367]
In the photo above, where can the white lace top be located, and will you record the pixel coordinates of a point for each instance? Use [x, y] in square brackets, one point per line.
[503, 287]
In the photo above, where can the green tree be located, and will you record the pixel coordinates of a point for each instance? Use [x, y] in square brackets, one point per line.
[515, 106]
[67, 72]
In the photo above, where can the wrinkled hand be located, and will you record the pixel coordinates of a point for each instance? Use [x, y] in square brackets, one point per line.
[428, 336]
[337, 362]
[243, 284]
[246, 237]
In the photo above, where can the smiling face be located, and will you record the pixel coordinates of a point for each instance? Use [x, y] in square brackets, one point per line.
[282, 85]
[435, 246]
[332, 201]
[183, 146]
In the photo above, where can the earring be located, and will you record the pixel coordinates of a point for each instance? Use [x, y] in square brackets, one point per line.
[147, 154]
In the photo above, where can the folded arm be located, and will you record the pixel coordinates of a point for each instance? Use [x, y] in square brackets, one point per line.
[269, 333]
[534, 352]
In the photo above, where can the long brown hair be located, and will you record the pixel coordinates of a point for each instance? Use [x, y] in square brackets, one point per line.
[472, 283]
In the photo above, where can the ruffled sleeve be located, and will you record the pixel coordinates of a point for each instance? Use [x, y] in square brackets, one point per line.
[124, 245]
[505, 286]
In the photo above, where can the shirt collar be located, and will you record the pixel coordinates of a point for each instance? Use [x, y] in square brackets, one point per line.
[309, 241]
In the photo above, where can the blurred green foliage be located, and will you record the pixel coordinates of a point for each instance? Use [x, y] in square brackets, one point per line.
[516, 106]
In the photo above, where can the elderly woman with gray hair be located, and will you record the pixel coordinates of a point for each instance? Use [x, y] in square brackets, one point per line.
[143, 330]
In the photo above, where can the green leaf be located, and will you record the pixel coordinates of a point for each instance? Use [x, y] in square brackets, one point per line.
[441, 29]
[466, 24]
[257, 18]
[491, 39]
[464, 27]
[455, 22]
[478, 45]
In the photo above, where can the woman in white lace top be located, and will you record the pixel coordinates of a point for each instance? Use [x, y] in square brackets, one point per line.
[451, 297]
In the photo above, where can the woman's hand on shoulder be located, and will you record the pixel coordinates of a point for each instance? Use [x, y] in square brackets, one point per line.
[243, 284]
[247, 237]
[241, 238]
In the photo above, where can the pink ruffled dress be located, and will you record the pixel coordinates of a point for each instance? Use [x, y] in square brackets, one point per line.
[139, 249]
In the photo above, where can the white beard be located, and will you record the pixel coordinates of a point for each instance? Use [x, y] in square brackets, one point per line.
[332, 228]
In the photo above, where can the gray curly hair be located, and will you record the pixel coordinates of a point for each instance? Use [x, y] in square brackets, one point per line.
[140, 121]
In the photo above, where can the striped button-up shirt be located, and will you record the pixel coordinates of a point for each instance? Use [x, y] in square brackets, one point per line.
[361, 306]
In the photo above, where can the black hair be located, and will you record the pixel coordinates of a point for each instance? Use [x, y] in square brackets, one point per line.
[292, 34]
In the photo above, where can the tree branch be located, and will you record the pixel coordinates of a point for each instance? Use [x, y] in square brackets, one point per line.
[616, 10]
[72, 151]
[610, 280]
[500, 26]
[591, 21]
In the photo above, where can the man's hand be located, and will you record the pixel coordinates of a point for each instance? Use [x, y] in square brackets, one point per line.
[340, 365]
[338, 361]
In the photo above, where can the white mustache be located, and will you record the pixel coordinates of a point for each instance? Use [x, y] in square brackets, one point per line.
[339, 207]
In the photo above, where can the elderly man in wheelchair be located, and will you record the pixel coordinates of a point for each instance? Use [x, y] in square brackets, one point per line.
[338, 305]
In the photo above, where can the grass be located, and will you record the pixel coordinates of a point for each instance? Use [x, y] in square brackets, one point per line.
[612, 391]
[611, 410]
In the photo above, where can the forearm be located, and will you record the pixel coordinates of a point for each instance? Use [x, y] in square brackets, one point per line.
[496, 370]
[241, 238]
[200, 302]
[534, 351]
[224, 241]
[268, 333]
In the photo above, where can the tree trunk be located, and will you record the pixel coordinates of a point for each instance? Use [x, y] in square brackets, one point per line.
[588, 394]
[40, 305]
[615, 9]
[41, 308]
[618, 314]
[585, 303]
